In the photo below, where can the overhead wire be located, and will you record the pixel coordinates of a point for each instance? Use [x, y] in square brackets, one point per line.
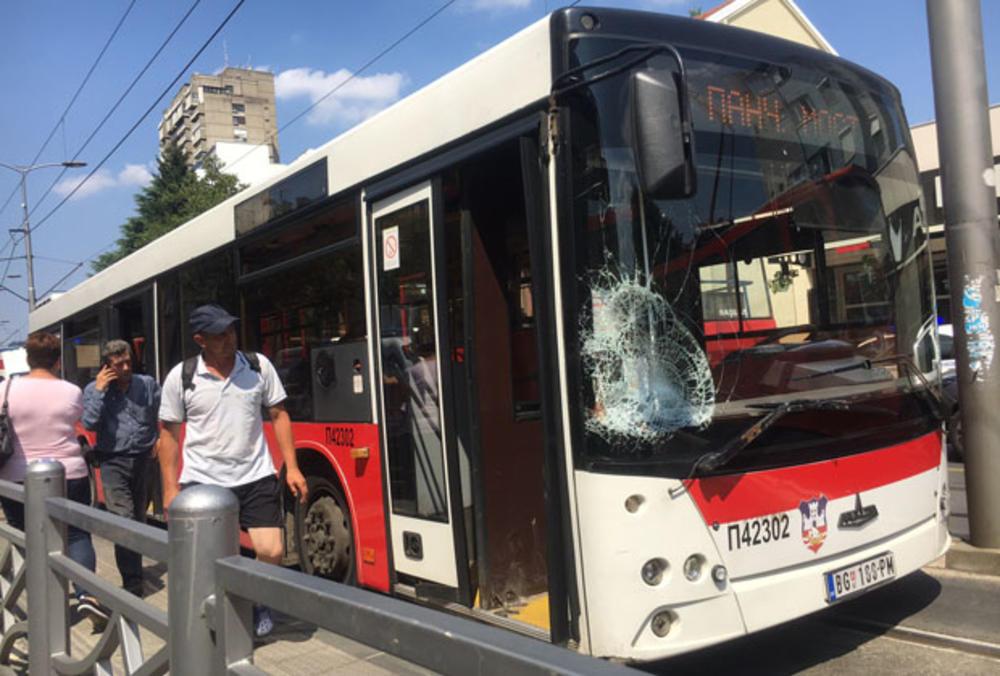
[368, 64]
[14, 241]
[142, 118]
[301, 114]
[117, 103]
[166, 90]
[13, 333]
[76, 266]
[76, 95]
[9, 261]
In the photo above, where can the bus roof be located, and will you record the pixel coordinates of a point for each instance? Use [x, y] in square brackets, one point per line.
[512, 76]
[499, 82]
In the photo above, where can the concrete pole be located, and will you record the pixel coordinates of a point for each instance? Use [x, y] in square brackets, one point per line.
[48, 629]
[26, 229]
[969, 195]
[202, 526]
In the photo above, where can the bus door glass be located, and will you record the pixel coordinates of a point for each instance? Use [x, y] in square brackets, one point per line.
[421, 514]
[131, 320]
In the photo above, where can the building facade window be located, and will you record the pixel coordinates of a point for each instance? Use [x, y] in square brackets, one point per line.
[209, 89]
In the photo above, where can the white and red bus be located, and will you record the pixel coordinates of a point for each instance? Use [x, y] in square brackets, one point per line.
[620, 335]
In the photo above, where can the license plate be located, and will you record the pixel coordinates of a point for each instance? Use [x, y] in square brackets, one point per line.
[857, 577]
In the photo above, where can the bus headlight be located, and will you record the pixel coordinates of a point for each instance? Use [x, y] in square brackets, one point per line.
[652, 571]
[693, 566]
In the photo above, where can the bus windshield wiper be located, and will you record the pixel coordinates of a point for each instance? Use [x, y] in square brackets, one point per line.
[937, 399]
[865, 364]
[716, 459]
[941, 403]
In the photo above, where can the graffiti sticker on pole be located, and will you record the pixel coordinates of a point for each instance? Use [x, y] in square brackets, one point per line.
[978, 332]
[390, 248]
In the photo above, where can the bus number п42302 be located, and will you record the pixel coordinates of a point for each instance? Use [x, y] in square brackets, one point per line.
[340, 436]
[753, 532]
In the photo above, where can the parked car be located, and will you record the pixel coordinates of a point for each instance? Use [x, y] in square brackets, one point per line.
[13, 362]
[949, 387]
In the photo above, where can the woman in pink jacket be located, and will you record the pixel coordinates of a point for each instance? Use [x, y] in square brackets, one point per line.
[44, 410]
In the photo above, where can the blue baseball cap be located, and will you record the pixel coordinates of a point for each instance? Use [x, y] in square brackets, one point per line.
[211, 319]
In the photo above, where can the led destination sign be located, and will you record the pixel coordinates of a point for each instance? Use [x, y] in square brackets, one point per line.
[764, 114]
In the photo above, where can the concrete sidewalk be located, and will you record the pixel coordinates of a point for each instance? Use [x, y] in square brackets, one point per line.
[937, 606]
[963, 556]
[294, 648]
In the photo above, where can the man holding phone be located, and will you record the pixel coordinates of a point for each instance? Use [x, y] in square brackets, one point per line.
[122, 407]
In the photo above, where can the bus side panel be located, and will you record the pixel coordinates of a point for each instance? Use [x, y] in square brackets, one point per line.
[361, 479]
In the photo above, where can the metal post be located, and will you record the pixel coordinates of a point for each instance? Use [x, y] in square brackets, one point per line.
[26, 228]
[23, 171]
[48, 629]
[969, 196]
[203, 526]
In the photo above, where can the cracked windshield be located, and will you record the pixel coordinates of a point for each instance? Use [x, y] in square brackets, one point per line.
[797, 275]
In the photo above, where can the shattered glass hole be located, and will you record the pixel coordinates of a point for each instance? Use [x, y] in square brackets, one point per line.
[650, 375]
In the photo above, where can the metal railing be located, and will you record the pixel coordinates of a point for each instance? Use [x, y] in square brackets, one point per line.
[211, 590]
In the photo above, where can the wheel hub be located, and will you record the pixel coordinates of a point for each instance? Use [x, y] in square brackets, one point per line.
[322, 536]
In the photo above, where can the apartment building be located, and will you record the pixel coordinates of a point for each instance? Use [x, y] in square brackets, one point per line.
[235, 106]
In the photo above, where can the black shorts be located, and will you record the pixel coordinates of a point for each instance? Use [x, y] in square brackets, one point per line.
[260, 502]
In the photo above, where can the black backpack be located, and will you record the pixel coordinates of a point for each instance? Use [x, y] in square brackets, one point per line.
[6, 428]
[191, 364]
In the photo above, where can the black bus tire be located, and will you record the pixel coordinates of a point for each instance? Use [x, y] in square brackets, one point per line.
[323, 532]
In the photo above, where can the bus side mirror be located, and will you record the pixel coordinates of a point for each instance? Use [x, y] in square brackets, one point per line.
[662, 141]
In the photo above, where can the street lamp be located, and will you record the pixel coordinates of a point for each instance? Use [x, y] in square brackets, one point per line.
[24, 170]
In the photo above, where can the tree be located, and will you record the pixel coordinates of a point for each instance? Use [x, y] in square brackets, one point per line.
[175, 195]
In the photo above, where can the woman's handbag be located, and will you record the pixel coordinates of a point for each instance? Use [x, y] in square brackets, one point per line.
[6, 428]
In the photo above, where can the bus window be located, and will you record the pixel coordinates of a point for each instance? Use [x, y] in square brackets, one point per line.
[307, 312]
[131, 319]
[410, 377]
[82, 350]
[336, 223]
[208, 280]
[169, 311]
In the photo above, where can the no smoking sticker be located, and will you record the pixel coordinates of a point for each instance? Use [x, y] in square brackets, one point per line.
[390, 248]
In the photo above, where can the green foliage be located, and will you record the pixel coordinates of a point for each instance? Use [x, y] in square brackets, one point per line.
[175, 195]
[695, 12]
[783, 279]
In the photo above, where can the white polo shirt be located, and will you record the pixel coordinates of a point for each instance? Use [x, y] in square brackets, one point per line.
[224, 440]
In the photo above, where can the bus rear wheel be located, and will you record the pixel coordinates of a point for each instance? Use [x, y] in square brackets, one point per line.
[323, 531]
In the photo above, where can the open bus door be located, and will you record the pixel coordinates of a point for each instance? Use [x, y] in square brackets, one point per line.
[460, 264]
[425, 507]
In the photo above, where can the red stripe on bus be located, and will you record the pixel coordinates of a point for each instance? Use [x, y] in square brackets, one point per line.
[361, 479]
[359, 475]
[734, 497]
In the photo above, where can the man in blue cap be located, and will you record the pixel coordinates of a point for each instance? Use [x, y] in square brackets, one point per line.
[219, 395]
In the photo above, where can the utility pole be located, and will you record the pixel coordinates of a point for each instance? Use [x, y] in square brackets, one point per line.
[25, 229]
[970, 204]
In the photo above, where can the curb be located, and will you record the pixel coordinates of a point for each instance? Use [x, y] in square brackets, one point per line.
[964, 557]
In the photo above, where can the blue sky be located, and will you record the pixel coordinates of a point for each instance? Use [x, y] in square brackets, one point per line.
[47, 46]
